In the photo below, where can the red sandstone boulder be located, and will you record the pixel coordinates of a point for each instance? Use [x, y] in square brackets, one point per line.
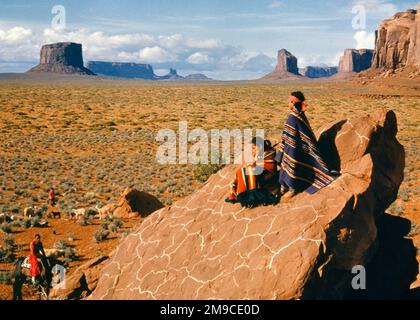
[133, 203]
[303, 248]
[81, 282]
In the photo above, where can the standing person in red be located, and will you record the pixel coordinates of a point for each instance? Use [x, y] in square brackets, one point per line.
[52, 196]
[37, 254]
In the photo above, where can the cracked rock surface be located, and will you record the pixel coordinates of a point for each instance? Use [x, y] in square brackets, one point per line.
[304, 247]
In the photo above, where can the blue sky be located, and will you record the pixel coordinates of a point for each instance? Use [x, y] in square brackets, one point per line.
[230, 39]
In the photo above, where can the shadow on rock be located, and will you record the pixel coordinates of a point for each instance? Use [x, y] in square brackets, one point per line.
[328, 147]
[394, 266]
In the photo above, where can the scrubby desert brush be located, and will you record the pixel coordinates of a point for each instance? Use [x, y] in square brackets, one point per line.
[396, 208]
[7, 250]
[101, 234]
[15, 209]
[415, 230]
[6, 228]
[34, 221]
[60, 245]
[91, 212]
[6, 277]
[63, 249]
[25, 223]
[84, 221]
[70, 255]
[113, 228]
[204, 171]
[17, 222]
[403, 194]
[117, 222]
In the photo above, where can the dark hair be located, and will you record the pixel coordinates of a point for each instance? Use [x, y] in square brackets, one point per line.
[258, 140]
[301, 97]
[37, 236]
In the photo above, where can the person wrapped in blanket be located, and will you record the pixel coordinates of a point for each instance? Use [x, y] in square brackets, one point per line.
[302, 166]
[256, 183]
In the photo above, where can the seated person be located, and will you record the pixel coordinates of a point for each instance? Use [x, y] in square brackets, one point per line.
[255, 183]
[302, 166]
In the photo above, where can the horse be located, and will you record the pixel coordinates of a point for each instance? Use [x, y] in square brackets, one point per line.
[22, 275]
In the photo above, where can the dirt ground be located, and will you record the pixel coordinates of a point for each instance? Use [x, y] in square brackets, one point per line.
[91, 138]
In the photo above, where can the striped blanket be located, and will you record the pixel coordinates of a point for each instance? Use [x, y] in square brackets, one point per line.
[253, 183]
[302, 166]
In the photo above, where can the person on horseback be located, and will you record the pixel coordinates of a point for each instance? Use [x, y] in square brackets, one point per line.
[37, 254]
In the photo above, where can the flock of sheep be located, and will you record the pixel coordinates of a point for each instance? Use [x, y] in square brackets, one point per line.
[76, 214]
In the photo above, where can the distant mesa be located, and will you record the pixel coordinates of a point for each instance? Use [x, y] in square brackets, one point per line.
[318, 72]
[67, 58]
[174, 76]
[398, 41]
[123, 70]
[61, 58]
[287, 67]
[171, 76]
[132, 70]
[355, 60]
[198, 77]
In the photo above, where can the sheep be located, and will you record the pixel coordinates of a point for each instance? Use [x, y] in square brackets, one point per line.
[38, 211]
[77, 213]
[29, 212]
[54, 253]
[104, 211]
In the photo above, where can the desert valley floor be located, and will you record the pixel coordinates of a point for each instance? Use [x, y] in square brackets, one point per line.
[92, 138]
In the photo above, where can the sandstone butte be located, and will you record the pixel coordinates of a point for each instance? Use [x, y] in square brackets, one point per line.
[397, 41]
[304, 248]
[61, 58]
[286, 68]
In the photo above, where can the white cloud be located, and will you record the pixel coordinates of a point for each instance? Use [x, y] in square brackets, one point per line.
[336, 59]
[17, 44]
[15, 34]
[155, 54]
[319, 60]
[260, 63]
[20, 47]
[173, 42]
[99, 39]
[276, 4]
[204, 43]
[364, 40]
[198, 58]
